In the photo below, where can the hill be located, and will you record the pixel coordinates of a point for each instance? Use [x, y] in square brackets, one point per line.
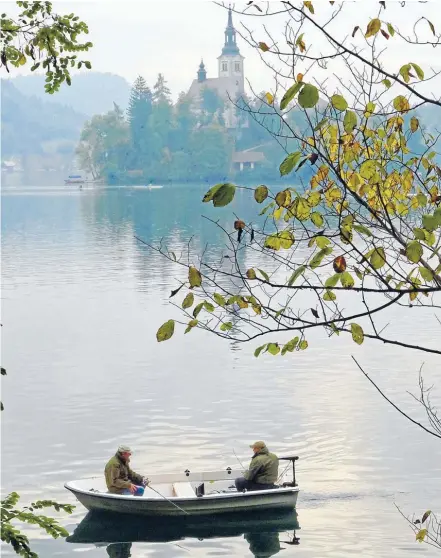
[90, 93]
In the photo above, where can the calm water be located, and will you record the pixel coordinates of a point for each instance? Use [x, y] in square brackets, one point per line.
[82, 301]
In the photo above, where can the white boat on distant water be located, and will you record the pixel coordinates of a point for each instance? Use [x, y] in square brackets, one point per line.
[74, 179]
[187, 493]
[147, 187]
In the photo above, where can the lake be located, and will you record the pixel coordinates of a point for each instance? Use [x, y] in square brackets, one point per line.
[82, 301]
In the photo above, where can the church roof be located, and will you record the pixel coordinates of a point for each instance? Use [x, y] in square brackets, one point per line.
[221, 85]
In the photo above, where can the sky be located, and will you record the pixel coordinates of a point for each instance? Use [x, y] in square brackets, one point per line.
[134, 37]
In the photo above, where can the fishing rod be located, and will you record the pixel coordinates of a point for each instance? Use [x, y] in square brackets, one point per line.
[169, 501]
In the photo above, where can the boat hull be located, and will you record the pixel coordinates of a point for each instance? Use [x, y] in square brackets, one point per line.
[277, 499]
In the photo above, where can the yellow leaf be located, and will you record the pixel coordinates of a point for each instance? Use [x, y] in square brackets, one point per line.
[401, 104]
[421, 535]
[165, 331]
[373, 27]
[194, 277]
[299, 77]
[251, 274]
[269, 98]
[309, 5]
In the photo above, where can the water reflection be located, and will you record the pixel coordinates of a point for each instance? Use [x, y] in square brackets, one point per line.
[118, 533]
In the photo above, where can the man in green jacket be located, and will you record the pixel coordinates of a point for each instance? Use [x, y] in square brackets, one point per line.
[263, 470]
[120, 478]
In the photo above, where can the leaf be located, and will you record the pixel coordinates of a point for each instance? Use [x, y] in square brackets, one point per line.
[276, 241]
[165, 331]
[315, 313]
[347, 280]
[387, 83]
[432, 27]
[261, 193]
[401, 104]
[414, 251]
[368, 169]
[373, 28]
[370, 109]
[309, 96]
[356, 28]
[309, 5]
[194, 277]
[209, 195]
[332, 281]
[430, 222]
[425, 516]
[329, 296]
[301, 209]
[175, 291]
[224, 195]
[303, 345]
[362, 230]
[219, 299]
[414, 124]
[339, 264]
[318, 258]
[299, 271]
[290, 162]
[299, 77]
[188, 301]
[208, 306]
[421, 535]
[426, 274]
[339, 102]
[88, 65]
[419, 233]
[264, 274]
[283, 198]
[385, 35]
[269, 97]
[350, 121]
[378, 258]
[418, 70]
[259, 350]
[251, 274]
[357, 333]
[273, 348]
[322, 241]
[290, 94]
[264, 47]
[226, 326]
[197, 309]
[405, 72]
[191, 325]
[321, 124]
[317, 219]
[290, 346]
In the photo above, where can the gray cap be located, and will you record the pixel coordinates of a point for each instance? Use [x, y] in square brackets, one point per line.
[124, 449]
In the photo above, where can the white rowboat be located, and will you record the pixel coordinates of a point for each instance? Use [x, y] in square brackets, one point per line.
[179, 494]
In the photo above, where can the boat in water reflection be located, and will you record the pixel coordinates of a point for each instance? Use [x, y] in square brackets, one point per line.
[267, 534]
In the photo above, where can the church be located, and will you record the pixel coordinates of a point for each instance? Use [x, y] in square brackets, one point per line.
[230, 81]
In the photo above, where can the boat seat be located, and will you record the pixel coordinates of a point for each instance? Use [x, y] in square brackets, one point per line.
[183, 490]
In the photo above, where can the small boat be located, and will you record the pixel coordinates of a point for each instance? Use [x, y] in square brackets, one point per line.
[147, 187]
[74, 179]
[187, 493]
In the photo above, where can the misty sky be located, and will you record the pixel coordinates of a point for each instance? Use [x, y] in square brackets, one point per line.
[148, 37]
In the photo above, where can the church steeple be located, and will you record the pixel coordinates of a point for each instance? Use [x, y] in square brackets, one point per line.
[202, 72]
[230, 47]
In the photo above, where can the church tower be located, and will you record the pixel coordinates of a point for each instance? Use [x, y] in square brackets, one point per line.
[231, 61]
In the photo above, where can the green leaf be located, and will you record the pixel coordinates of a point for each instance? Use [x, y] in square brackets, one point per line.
[261, 193]
[333, 280]
[309, 96]
[414, 251]
[418, 70]
[289, 163]
[387, 83]
[321, 124]
[226, 326]
[373, 27]
[259, 350]
[194, 277]
[357, 333]
[290, 94]
[362, 230]
[401, 104]
[378, 258]
[188, 301]
[197, 309]
[317, 219]
[264, 274]
[430, 222]
[370, 109]
[318, 258]
[322, 242]
[165, 331]
[390, 29]
[426, 274]
[347, 280]
[251, 274]
[220, 300]
[303, 345]
[209, 195]
[191, 325]
[283, 239]
[419, 234]
[404, 72]
[368, 169]
[350, 121]
[339, 102]
[290, 346]
[208, 306]
[329, 296]
[88, 65]
[299, 271]
[273, 348]
[224, 195]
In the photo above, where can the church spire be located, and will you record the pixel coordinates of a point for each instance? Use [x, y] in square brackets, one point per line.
[230, 46]
[202, 72]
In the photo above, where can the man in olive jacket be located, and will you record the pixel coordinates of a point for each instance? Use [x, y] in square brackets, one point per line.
[120, 478]
[263, 470]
